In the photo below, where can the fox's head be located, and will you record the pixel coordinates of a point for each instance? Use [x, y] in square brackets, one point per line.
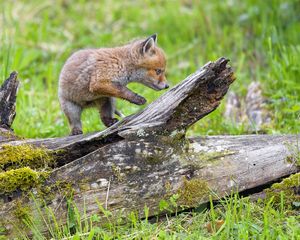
[151, 63]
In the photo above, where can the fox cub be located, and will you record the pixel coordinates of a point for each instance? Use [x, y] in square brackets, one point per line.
[95, 77]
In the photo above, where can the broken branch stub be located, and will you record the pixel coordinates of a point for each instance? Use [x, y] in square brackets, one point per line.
[8, 94]
[186, 103]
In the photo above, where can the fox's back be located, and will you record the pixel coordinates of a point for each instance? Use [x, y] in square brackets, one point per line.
[104, 64]
[74, 76]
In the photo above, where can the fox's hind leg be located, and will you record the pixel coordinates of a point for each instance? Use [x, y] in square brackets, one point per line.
[106, 106]
[73, 113]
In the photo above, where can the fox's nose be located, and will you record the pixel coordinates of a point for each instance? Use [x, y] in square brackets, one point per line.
[166, 86]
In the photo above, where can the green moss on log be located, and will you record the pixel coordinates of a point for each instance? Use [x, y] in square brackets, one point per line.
[288, 189]
[20, 179]
[25, 155]
[8, 134]
[287, 183]
[21, 211]
[193, 192]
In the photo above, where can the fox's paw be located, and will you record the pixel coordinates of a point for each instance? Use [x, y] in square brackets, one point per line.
[76, 131]
[109, 121]
[138, 100]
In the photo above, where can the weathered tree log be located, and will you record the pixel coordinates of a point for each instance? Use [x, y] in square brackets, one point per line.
[146, 157]
[195, 97]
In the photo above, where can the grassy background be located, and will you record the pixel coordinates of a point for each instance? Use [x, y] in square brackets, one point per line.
[260, 37]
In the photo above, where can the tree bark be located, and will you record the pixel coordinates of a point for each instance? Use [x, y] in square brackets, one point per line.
[146, 157]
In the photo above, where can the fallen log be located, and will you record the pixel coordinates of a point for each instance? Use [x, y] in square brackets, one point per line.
[146, 157]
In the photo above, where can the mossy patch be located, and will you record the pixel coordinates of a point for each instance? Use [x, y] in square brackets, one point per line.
[8, 134]
[288, 188]
[192, 192]
[22, 212]
[291, 181]
[294, 159]
[48, 191]
[25, 155]
[294, 156]
[20, 179]
[154, 160]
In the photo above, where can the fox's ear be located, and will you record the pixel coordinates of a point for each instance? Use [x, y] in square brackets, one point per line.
[154, 37]
[149, 43]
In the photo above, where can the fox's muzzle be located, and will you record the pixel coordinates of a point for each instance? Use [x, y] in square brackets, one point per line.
[161, 85]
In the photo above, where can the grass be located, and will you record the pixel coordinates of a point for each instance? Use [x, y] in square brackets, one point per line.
[238, 218]
[260, 37]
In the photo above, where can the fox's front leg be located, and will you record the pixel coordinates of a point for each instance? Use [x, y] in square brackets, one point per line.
[114, 89]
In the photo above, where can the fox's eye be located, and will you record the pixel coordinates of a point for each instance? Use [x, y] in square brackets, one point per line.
[158, 71]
